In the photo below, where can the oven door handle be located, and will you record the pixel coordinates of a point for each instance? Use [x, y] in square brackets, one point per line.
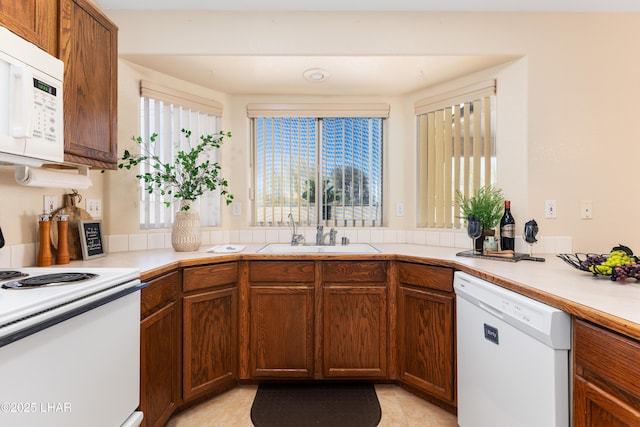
[72, 309]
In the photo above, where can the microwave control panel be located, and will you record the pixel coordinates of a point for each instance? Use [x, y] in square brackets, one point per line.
[45, 109]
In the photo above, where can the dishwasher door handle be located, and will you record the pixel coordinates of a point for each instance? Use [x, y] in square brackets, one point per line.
[492, 310]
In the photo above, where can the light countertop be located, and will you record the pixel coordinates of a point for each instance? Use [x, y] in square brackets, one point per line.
[598, 299]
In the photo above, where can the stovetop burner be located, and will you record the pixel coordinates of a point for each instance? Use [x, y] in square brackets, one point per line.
[48, 280]
[11, 274]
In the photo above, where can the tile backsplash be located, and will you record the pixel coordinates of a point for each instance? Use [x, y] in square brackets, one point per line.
[24, 255]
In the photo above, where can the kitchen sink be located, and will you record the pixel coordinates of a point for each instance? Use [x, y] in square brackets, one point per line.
[286, 248]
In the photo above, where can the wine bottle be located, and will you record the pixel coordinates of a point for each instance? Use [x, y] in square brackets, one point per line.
[507, 228]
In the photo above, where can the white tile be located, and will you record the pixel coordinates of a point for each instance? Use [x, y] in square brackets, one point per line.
[284, 236]
[167, 241]
[118, 243]
[390, 236]
[418, 237]
[245, 236]
[259, 236]
[461, 240]
[5, 257]
[216, 237]
[447, 239]
[206, 238]
[433, 238]
[377, 236]
[271, 236]
[232, 236]
[364, 236]
[155, 241]
[137, 242]
[23, 255]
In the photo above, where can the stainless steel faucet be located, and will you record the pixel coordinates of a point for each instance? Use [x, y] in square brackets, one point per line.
[332, 236]
[296, 239]
[319, 235]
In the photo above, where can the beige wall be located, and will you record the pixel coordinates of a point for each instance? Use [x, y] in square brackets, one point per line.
[566, 123]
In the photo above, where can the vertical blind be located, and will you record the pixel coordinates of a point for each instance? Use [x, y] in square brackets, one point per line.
[321, 170]
[456, 151]
[166, 111]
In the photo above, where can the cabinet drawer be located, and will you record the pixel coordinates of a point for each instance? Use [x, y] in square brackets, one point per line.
[281, 271]
[158, 293]
[354, 271]
[209, 276]
[610, 356]
[439, 278]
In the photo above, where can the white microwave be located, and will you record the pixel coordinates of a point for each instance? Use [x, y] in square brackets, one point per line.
[31, 116]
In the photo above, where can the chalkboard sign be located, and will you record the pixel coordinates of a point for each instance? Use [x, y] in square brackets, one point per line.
[91, 239]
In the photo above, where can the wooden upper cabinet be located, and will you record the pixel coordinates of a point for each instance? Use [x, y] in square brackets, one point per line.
[33, 20]
[89, 48]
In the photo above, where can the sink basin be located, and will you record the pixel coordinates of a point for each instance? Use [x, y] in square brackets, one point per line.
[285, 248]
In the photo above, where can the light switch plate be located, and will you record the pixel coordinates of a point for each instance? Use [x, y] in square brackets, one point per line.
[94, 207]
[550, 209]
[236, 208]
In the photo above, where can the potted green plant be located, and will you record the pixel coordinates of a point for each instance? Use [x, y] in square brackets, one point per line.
[486, 204]
[185, 178]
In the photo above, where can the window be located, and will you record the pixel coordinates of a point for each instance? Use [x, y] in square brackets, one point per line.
[456, 151]
[320, 169]
[166, 111]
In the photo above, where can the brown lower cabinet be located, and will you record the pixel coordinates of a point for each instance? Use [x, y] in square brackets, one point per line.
[281, 316]
[606, 386]
[204, 328]
[354, 319]
[426, 339]
[210, 329]
[160, 346]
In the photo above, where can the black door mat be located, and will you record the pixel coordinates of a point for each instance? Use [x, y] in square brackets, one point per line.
[316, 404]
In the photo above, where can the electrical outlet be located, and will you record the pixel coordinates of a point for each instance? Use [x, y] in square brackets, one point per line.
[236, 208]
[94, 207]
[399, 209]
[50, 204]
[586, 209]
[550, 209]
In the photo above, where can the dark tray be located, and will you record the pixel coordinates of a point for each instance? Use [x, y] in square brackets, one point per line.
[516, 256]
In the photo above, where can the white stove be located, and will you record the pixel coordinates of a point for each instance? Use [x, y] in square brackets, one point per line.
[69, 350]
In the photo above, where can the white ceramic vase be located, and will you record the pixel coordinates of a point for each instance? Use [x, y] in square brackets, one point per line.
[185, 233]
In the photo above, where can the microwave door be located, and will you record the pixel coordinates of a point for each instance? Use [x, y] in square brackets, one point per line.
[9, 142]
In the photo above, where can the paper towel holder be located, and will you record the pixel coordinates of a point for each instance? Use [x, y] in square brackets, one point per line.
[51, 178]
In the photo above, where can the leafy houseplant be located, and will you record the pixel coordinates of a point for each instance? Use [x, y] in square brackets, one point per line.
[486, 204]
[185, 178]
[188, 177]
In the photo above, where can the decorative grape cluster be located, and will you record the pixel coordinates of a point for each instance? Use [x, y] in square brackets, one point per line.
[620, 264]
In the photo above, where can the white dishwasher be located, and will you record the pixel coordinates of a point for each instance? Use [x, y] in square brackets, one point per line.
[513, 358]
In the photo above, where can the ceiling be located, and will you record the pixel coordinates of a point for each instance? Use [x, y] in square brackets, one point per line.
[344, 75]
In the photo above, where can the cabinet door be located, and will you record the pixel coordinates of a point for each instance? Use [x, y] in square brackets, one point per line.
[33, 20]
[354, 331]
[594, 407]
[88, 47]
[159, 369]
[281, 331]
[605, 383]
[426, 341]
[209, 341]
[160, 347]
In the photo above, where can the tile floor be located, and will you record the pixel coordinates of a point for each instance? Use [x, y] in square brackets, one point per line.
[232, 409]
